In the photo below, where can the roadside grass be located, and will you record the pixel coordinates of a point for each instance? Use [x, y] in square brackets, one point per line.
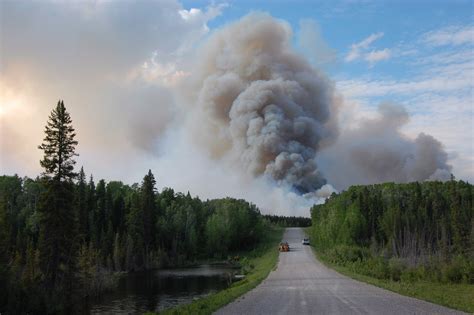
[457, 296]
[259, 262]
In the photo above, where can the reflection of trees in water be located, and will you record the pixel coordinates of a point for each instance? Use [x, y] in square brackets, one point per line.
[156, 290]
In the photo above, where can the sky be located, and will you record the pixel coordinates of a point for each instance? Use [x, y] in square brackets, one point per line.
[117, 66]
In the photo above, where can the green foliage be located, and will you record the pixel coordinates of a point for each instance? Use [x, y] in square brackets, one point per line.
[81, 206]
[403, 233]
[59, 145]
[62, 239]
[234, 224]
[148, 204]
[186, 229]
[407, 225]
[57, 221]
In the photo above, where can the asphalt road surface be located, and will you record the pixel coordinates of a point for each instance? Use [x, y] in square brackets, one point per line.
[303, 285]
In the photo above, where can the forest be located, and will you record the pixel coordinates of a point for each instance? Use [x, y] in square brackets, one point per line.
[64, 236]
[414, 231]
[116, 231]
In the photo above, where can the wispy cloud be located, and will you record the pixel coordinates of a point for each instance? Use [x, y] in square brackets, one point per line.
[378, 55]
[359, 50]
[452, 35]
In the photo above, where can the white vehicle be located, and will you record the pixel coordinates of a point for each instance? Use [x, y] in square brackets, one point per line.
[305, 241]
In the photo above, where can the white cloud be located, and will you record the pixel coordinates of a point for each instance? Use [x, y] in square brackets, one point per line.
[377, 55]
[190, 14]
[359, 51]
[434, 76]
[452, 35]
[211, 12]
[357, 48]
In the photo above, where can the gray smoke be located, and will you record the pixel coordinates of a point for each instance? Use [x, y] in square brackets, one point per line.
[377, 152]
[262, 104]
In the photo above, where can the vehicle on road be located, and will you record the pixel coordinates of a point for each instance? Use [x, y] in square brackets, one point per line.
[284, 247]
[305, 241]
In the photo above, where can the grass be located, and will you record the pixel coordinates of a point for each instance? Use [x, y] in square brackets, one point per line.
[456, 296]
[260, 261]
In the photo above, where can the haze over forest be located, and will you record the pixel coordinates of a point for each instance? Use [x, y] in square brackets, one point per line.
[279, 111]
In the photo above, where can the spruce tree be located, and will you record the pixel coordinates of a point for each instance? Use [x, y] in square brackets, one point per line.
[100, 215]
[59, 146]
[58, 220]
[4, 252]
[135, 249]
[91, 204]
[148, 206]
[81, 205]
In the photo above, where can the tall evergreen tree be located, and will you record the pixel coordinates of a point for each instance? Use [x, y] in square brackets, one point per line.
[100, 214]
[149, 207]
[4, 253]
[81, 205]
[57, 221]
[134, 245]
[91, 207]
[59, 145]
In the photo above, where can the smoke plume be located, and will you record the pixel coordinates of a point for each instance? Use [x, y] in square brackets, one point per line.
[378, 152]
[263, 105]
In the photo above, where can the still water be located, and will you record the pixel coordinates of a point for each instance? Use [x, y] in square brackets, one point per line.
[156, 290]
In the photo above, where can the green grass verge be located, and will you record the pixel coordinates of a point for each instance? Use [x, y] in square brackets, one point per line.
[261, 260]
[456, 296]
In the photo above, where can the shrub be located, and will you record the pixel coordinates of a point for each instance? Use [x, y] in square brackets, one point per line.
[343, 254]
[378, 268]
[451, 273]
[413, 274]
[458, 270]
[396, 267]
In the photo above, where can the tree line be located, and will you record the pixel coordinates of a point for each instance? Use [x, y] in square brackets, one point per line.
[288, 221]
[63, 236]
[412, 231]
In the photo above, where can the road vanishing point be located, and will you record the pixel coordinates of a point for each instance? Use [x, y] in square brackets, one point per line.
[303, 285]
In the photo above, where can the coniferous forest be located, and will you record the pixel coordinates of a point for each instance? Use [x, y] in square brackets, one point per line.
[415, 231]
[64, 236]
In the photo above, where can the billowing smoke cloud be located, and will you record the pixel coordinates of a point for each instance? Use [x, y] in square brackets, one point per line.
[377, 152]
[259, 105]
[262, 104]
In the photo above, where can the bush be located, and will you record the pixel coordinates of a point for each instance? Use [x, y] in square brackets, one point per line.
[343, 254]
[470, 273]
[396, 268]
[451, 273]
[458, 270]
[378, 268]
[413, 274]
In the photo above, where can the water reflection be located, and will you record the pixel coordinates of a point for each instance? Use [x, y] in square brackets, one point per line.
[139, 292]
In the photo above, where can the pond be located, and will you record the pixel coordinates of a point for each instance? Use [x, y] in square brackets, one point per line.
[156, 290]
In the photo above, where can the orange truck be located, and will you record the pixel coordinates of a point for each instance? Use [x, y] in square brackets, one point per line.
[284, 247]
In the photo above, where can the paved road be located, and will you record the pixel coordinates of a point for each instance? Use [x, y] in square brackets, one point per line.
[302, 285]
